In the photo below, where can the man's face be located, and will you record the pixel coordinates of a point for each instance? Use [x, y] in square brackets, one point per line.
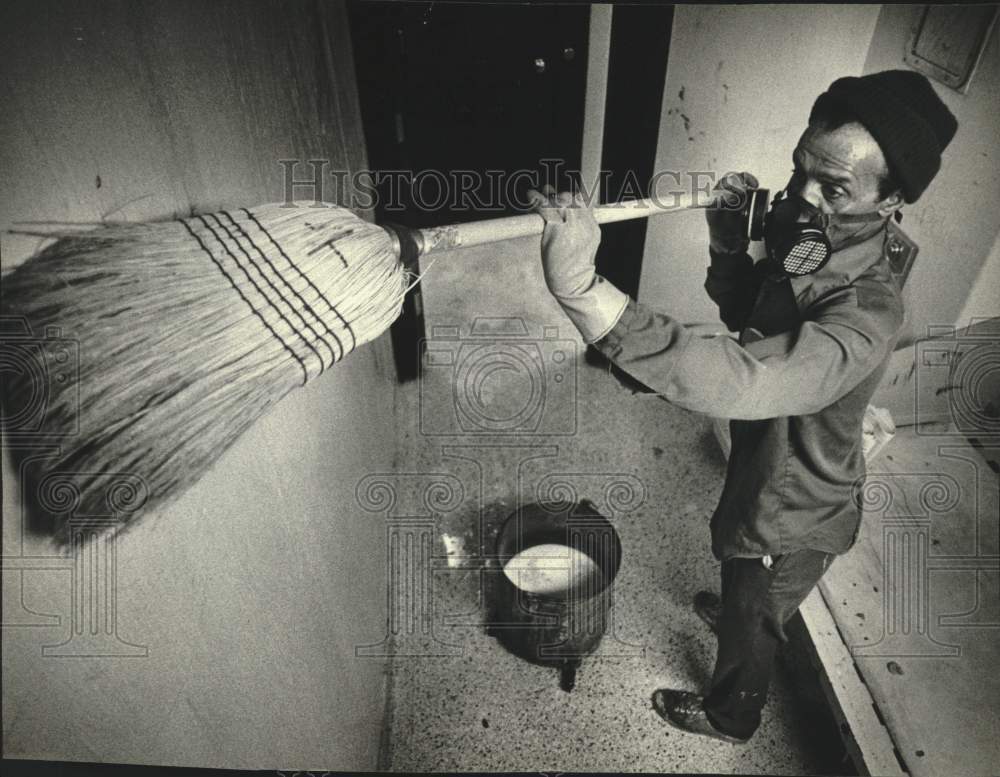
[838, 172]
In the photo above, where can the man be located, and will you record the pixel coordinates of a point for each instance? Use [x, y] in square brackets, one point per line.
[811, 351]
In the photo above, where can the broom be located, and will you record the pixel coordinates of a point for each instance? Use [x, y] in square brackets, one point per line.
[188, 331]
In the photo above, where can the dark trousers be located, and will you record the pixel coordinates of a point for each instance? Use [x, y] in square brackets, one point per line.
[756, 604]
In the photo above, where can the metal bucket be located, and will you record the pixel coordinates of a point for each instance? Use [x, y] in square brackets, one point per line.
[552, 595]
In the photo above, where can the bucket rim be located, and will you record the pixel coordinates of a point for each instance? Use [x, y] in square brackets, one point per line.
[557, 523]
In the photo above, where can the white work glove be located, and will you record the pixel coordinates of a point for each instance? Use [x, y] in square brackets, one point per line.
[569, 249]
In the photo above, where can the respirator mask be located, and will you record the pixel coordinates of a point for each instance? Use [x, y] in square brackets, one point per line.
[795, 234]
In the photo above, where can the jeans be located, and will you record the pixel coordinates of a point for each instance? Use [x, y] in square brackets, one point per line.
[756, 604]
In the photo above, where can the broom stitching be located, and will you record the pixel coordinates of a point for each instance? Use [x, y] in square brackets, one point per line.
[299, 298]
[350, 329]
[263, 294]
[333, 309]
[270, 283]
[298, 294]
[332, 245]
[281, 294]
[236, 288]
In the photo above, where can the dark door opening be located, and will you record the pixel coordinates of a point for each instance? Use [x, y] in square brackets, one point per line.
[467, 100]
[465, 107]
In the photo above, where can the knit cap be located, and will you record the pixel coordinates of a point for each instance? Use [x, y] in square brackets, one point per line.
[907, 118]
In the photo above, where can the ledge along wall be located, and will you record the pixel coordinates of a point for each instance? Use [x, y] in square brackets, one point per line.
[238, 609]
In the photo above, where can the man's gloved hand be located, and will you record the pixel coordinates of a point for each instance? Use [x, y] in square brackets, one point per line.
[569, 250]
[726, 226]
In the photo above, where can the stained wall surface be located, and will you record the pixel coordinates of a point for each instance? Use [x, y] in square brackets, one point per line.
[955, 222]
[740, 82]
[240, 607]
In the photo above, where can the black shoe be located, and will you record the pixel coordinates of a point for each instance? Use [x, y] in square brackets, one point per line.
[684, 710]
[708, 606]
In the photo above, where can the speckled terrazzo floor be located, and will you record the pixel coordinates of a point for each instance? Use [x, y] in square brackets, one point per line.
[458, 700]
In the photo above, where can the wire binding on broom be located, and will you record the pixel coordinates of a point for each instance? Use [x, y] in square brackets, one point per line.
[187, 332]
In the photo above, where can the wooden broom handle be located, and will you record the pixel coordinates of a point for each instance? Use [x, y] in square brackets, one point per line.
[495, 230]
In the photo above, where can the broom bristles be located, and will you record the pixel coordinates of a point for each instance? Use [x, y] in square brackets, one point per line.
[187, 332]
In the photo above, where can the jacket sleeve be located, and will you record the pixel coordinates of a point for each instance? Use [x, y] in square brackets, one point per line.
[732, 284]
[796, 373]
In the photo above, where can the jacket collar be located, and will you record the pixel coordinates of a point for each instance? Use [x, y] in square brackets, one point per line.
[844, 267]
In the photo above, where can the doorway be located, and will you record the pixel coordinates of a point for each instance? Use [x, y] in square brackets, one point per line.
[467, 106]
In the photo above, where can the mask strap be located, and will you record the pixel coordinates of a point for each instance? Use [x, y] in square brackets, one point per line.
[857, 218]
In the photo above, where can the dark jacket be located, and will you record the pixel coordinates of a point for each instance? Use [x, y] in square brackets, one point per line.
[810, 354]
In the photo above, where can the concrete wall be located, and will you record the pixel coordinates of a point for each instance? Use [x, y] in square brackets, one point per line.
[956, 275]
[984, 299]
[955, 223]
[736, 99]
[238, 609]
[740, 83]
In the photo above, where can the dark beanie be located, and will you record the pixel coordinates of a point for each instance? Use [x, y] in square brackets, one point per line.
[904, 114]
